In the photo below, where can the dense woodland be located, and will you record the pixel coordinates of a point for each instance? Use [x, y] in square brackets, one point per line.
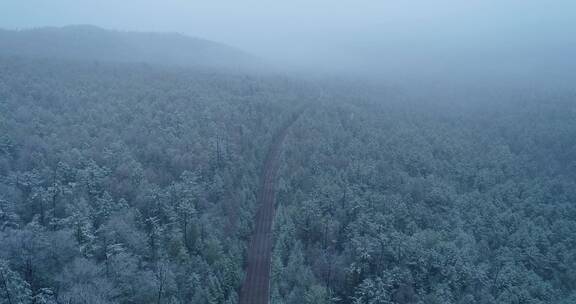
[138, 183]
[456, 198]
[129, 184]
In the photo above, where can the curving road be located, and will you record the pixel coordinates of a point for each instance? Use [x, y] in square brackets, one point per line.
[256, 285]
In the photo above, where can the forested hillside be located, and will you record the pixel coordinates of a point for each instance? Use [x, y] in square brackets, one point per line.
[456, 198]
[130, 179]
[125, 183]
[91, 43]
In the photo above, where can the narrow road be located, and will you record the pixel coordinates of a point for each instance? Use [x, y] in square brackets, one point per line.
[256, 285]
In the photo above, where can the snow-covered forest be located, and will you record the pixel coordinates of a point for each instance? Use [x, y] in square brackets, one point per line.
[140, 179]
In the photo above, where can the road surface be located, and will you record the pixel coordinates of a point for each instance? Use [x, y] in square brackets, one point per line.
[256, 285]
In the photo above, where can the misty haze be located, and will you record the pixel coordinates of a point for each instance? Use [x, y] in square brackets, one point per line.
[296, 152]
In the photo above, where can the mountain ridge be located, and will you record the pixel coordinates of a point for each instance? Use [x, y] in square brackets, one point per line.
[93, 43]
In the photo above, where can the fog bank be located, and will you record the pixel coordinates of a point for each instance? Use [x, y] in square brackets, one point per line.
[452, 40]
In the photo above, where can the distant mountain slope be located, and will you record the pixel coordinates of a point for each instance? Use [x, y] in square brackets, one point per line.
[85, 42]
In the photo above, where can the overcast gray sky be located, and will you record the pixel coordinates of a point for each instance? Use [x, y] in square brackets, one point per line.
[399, 34]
